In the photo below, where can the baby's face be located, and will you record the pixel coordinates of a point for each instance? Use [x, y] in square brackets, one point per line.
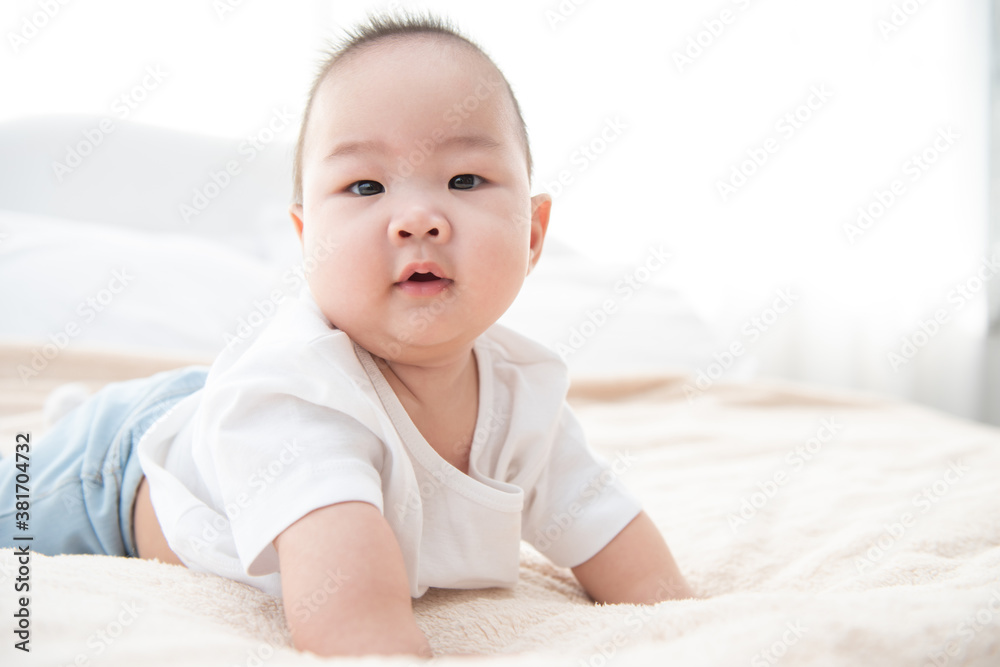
[416, 206]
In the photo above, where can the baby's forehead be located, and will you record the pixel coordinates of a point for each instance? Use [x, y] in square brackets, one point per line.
[357, 80]
[397, 78]
[423, 45]
[419, 58]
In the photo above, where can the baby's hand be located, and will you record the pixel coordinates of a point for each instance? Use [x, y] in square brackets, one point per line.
[348, 551]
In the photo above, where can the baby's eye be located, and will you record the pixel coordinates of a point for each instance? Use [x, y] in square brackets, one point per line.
[465, 181]
[366, 188]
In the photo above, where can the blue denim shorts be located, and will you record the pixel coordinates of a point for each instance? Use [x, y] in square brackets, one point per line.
[84, 472]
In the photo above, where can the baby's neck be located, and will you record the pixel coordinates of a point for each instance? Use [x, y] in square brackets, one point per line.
[442, 402]
[430, 386]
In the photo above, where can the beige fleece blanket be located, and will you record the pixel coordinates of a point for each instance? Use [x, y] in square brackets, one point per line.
[819, 527]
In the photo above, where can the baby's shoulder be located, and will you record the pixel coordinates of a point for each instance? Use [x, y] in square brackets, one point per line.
[297, 341]
[509, 346]
[512, 354]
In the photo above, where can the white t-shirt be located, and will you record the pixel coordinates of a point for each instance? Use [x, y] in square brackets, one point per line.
[302, 418]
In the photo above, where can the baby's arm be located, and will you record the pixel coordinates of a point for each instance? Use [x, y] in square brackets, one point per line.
[348, 551]
[635, 567]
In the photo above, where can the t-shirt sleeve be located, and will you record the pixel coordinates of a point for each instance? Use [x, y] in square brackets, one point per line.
[578, 502]
[277, 457]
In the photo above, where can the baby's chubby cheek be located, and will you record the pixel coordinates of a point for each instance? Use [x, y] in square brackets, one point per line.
[330, 271]
[499, 269]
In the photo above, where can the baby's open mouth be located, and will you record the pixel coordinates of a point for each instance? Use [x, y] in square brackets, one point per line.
[423, 279]
[426, 283]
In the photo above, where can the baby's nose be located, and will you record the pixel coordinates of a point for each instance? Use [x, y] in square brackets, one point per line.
[419, 222]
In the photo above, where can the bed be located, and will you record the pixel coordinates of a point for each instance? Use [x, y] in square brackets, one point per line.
[817, 526]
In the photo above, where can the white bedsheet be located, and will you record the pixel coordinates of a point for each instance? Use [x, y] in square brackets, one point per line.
[871, 538]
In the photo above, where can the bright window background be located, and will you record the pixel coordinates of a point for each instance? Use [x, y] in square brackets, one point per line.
[892, 88]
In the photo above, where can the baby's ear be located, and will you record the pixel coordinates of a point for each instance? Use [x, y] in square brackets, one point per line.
[541, 206]
[295, 211]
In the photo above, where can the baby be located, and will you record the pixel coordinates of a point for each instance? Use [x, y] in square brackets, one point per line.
[383, 434]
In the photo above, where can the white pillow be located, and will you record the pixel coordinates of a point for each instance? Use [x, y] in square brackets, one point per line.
[66, 282]
[601, 325]
[139, 176]
[191, 283]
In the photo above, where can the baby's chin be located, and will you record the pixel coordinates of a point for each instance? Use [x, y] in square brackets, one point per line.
[415, 345]
[439, 332]
[420, 353]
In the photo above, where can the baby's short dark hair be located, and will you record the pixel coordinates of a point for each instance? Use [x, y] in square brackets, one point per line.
[379, 27]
